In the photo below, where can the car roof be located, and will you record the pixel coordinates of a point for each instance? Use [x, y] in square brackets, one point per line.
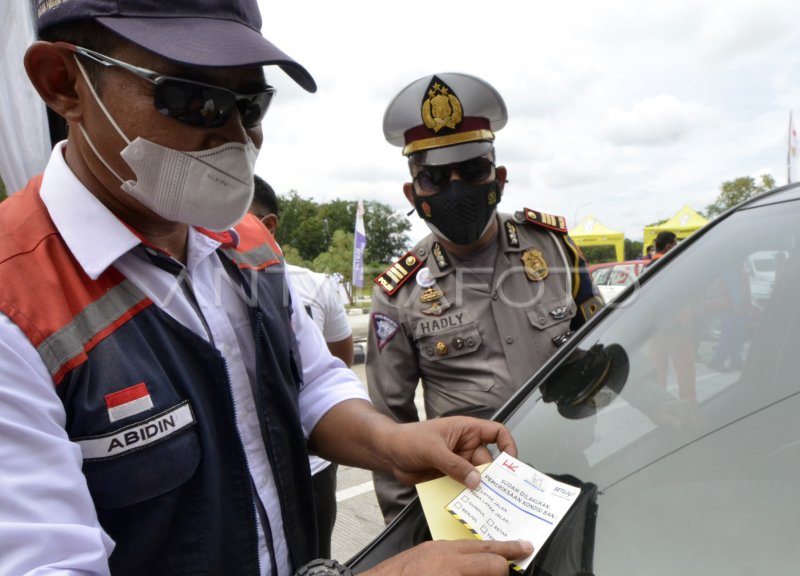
[593, 267]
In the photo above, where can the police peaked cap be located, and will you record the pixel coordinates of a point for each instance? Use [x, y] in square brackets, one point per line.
[445, 118]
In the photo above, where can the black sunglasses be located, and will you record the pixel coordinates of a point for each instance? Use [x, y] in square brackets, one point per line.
[433, 179]
[194, 103]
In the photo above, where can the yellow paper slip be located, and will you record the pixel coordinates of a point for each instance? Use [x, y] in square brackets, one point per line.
[434, 495]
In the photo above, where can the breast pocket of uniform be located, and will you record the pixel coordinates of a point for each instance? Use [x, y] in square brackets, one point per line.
[555, 315]
[455, 359]
[143, 460]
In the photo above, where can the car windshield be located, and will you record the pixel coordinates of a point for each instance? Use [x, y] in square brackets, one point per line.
[678, 414]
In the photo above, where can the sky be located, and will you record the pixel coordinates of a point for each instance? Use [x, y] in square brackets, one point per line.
[618, 109]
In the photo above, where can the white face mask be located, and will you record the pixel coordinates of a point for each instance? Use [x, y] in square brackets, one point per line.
[211, 188]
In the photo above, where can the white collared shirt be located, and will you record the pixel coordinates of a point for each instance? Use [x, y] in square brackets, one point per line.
[47, 517]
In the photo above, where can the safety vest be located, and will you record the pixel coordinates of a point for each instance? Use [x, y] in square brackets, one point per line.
[150, 404]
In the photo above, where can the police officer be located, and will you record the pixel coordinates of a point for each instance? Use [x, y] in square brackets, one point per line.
[482, 301]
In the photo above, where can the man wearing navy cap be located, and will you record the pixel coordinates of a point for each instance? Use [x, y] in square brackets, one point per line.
[480, 303]
[159, 382]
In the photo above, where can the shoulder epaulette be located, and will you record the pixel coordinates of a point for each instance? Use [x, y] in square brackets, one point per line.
[398, 273]
[557, 223]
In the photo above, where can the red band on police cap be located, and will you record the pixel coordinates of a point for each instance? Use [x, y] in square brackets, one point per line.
[468, 124]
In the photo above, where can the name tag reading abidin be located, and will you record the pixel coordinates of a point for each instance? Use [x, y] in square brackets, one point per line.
[138, 435]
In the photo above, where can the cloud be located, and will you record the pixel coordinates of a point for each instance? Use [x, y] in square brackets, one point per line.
[621, 108]
[657, 121]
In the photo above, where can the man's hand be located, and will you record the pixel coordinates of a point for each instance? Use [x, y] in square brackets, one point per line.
[453, 445]
[353, 433]
[454, 558]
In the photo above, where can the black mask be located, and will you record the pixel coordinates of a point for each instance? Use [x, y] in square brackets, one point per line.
[460, 211]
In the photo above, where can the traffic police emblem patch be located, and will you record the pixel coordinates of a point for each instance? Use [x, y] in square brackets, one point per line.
[385, 328]
[535, 265]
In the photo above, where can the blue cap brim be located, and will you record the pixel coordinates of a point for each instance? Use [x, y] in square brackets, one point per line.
[207, 42]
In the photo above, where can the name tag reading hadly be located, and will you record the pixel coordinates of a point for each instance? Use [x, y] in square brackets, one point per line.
[438, 324]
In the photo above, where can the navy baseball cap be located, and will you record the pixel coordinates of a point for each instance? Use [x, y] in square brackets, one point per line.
[213, 33]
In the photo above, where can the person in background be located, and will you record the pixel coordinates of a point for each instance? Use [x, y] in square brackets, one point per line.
[674, 342]
[319, 292]
[665, 241]
[160, 386]
[486, 298]
[321, 302]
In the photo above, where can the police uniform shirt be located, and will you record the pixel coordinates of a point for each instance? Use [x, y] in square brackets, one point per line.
[473, 345]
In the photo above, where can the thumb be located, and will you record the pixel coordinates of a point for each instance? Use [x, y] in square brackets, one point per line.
[461, 470]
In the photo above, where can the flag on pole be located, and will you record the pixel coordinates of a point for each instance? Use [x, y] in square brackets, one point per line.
[791, 158]
[359, 246]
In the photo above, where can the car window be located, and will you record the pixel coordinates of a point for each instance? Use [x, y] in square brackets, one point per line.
[622, 275]
[601, 275]
[678, 414]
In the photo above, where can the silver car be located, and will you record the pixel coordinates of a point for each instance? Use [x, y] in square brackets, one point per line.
[677, 411]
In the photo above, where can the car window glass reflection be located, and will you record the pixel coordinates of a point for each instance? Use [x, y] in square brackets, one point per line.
[703, 353]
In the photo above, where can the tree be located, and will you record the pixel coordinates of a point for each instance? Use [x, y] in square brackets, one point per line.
[386, 233]
[292, 256]
[309, 228]
[3, 194]
[735, 191]
[599, 254]
[294, 211]
[338, 258]
[311, 237]
[633, 249]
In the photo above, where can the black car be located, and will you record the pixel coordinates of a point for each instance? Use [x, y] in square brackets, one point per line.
[677, 410]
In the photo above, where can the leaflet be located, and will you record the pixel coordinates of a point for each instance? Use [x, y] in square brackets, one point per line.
[514, 502]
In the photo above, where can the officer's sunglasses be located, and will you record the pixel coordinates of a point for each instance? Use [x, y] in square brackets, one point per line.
[194, 103]
[433, 179]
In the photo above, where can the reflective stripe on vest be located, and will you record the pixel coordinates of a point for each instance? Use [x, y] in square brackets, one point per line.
[67, 347]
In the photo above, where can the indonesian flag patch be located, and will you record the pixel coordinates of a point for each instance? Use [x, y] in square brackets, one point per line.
[128, 402]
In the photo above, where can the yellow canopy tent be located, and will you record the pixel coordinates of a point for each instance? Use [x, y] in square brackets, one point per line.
[592, 232]
[682, 224]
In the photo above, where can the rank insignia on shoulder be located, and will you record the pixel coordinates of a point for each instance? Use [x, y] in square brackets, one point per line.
[557, 223]
[397, 274]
